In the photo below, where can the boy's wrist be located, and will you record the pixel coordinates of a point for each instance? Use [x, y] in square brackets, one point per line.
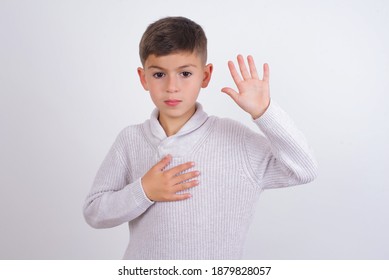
[259, 113]
[144, 191]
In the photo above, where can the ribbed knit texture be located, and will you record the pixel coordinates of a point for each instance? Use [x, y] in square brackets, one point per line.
[236, 164]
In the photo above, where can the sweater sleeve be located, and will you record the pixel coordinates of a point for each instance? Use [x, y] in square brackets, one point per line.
[282, 158]
[113, 200]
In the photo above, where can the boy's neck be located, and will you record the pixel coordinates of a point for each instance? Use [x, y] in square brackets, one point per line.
[172, 125]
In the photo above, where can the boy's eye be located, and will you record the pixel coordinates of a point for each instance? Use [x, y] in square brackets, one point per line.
[186, 74]
[158, 75]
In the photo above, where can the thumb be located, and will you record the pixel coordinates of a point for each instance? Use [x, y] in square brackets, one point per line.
[160, 166]
[232, 93]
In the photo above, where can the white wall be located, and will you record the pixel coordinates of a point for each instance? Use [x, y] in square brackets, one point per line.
[68, 85]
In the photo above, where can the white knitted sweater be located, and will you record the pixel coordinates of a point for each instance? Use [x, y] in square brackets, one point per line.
[236, 165]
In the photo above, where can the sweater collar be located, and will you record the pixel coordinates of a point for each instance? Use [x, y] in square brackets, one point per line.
[184, 141]
[197, 120]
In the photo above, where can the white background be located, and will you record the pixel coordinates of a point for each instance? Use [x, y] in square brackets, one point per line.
[68, 85]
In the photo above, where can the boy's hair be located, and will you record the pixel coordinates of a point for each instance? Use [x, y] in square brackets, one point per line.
[171, 35]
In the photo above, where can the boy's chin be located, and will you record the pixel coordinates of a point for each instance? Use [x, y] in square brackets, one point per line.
[177, 112]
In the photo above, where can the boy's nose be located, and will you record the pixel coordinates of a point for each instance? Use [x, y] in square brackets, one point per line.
[172, 85]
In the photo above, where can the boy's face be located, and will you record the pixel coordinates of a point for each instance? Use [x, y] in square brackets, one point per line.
[174, 82]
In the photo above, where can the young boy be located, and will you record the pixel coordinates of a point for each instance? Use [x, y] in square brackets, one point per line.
[185, 182]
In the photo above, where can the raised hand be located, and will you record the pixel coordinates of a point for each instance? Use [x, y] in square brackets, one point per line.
[163, 185]
[253, 94]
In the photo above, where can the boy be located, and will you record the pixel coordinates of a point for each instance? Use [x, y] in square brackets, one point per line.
[186, 182]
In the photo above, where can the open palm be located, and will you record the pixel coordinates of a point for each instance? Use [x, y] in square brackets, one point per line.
[253, 94]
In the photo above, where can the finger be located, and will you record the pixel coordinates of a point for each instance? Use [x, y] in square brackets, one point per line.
[235, 75]
[232, 93]
[161, 165]
[177, 197]
[266, 72]
[186, 176]
[253, 69]
[185, 186]
[179, 168]
[243, 69]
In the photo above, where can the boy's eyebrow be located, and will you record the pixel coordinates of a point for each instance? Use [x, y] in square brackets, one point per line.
[180, 67]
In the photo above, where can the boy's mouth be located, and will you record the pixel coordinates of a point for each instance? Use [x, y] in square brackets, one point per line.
[172, 102]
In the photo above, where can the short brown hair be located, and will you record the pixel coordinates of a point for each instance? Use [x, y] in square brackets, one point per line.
[170, 35]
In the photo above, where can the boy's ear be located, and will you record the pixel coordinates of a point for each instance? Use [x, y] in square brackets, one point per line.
[207, 75]
[142, 78]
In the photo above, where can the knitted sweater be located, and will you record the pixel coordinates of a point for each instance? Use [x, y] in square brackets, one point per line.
[236, 165]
